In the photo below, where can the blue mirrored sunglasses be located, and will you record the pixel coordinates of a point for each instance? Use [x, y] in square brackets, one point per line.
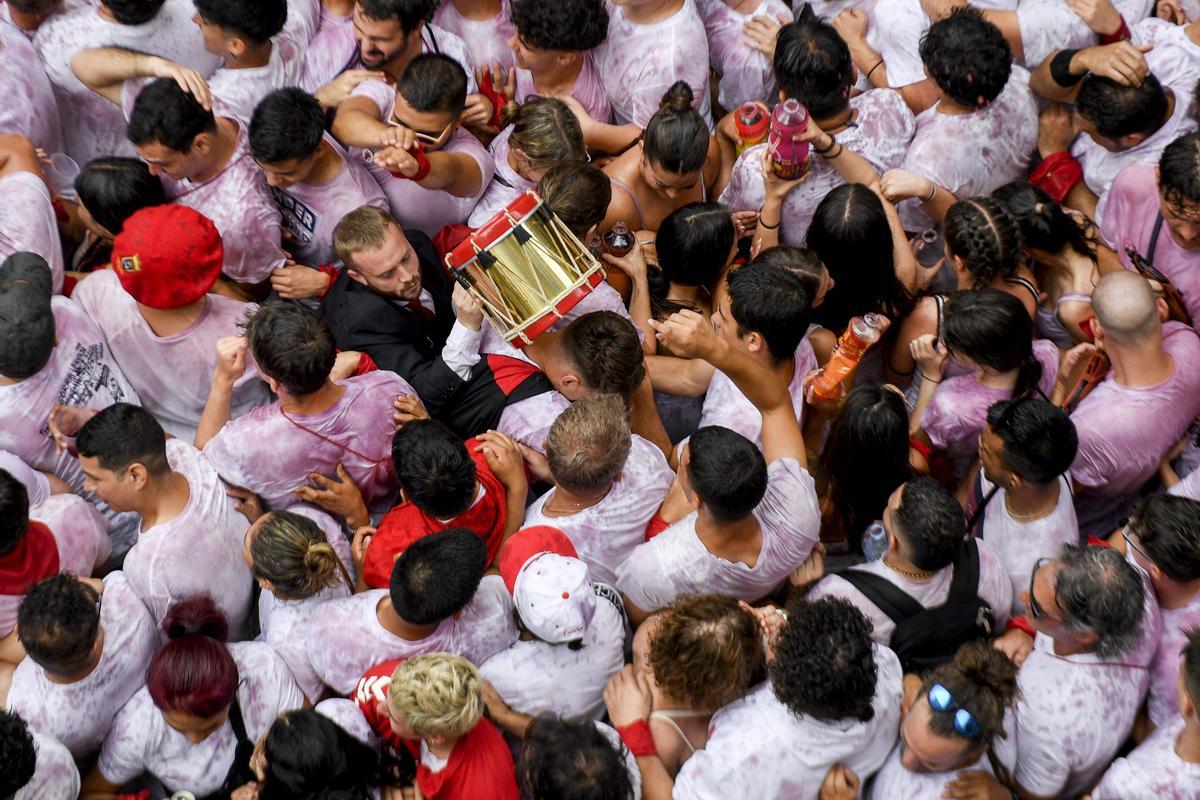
[940, 699]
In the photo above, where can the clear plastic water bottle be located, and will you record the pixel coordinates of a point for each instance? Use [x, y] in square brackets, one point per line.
[874, 541]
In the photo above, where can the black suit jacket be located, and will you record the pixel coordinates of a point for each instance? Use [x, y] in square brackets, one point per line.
[395, 336]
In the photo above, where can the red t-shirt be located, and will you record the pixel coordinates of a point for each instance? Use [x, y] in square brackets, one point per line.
[480, 765]
[406, 523]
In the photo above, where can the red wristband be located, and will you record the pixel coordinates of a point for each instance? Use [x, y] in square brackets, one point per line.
[637, 737]
[499, 100]
[1020, 624]
[1057, 174]
[655, 526]
[365, 364]
[332, 272]
[423, 166]
[1119, 35]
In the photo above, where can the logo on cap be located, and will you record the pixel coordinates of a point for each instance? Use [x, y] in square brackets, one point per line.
[131, 263]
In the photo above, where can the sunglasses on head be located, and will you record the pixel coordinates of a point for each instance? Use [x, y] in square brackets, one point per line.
[940, 699]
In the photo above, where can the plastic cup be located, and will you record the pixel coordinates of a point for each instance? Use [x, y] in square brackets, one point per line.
[62, 172]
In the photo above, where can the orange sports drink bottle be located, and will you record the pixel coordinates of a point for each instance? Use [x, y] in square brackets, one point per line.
[861, 333]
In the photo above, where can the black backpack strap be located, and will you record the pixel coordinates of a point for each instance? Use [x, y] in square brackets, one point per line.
[1153, 246]
[981, 502]
[964, 585]
[887, 597]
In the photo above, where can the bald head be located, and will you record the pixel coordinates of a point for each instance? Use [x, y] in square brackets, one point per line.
[1125, 306]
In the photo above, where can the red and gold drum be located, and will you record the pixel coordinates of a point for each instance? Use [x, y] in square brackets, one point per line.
[525, 268]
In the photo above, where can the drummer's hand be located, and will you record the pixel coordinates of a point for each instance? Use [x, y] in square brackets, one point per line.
[467, 309]
[688, 334]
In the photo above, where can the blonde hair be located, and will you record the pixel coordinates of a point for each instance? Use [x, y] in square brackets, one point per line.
[438, 694]
[546, 131]
[291, 552]
[361, 229]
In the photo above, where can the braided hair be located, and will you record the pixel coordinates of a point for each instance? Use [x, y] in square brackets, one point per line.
[986, 236]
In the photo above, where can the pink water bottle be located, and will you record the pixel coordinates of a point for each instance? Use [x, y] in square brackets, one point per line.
[790, 159]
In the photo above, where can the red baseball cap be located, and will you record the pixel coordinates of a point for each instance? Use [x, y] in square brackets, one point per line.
[527, 543]
[168, 256]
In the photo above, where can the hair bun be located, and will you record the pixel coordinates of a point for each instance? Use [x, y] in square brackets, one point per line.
[196, 615]
[678, 98]
[988, 668]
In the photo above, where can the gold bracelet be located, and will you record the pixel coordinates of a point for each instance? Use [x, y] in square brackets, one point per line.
[932, 192]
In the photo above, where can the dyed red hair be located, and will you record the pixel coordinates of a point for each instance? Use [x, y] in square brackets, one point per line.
[193, 672]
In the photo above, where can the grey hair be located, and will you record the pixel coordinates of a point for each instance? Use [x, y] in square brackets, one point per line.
[1100, 592]
[589, 443]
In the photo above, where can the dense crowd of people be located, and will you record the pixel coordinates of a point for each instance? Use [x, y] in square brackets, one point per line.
[599, 399]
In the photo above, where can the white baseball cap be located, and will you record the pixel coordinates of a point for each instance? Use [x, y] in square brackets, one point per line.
[549, 584]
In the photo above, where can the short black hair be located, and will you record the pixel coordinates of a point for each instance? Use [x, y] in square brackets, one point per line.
[812, 64]
[124, 434]
[824, 665]
[254, 20]
[14, 511]
[18, 753]
[59, 620]
[727, 471]
[931, 523]
[569, 26]
[1116, 110]
[967, 57]
[288, 124]
[572, 760]
[1168, 528]
[133, 12]
[112, 188]
[1179, 170]
[1191, 665]
[1039, 438]
[434, 82]
[292, 344]
[437, 575]
[770, 300]
[166, 114]
[434, 469]
[604, 347]
[409, 13]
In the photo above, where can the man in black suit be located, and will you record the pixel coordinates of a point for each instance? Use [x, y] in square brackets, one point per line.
[395, 302]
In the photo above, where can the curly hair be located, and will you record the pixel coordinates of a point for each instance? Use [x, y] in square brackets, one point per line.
[983, 233]
[705, 651]
[831, 682]
[18, 753]
[1179, 171]
[967, 57]
[566, 25]
[982, 680]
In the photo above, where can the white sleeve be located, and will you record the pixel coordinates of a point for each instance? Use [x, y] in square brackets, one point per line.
[461, 351]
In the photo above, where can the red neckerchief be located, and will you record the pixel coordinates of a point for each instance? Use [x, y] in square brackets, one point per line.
[34, 559]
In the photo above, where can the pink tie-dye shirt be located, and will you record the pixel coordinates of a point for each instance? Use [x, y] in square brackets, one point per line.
[639, 63]
[412, 205]
[344, 637]
[1177, 623]
[334, 50]
[142, 741]
[676, 562]
[725, 405]
[92, 126]
[588, 89]
[1132, 215]
[746, 74]
[757, 747]
[311, 211]
[486, 39]
[994, 587]
[29, 107]
[80, 714]
[55, 777]
[172, 373]
[81, 372]
[199, 551]
[1153, 771]
[29, 224]
[883, 127]
[271, 452]
[973, 154]
[1123, 432]
[605, 534]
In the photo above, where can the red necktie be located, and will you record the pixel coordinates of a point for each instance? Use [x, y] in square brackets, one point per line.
[418, 308]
